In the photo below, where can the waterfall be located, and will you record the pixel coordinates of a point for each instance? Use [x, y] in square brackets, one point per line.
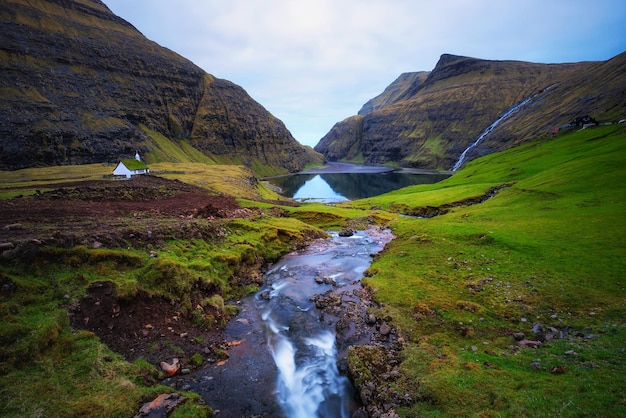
[491, 127]
[309, 386]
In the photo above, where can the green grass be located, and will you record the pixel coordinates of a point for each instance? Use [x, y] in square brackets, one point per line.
[550, 248]
[30, 177]
[234, 180]
[48, 369]
[167, 150]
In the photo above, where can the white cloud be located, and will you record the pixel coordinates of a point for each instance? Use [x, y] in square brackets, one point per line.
[313, 63]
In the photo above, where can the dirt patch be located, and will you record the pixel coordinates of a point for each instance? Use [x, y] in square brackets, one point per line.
[109, 199]
[141, 212]
[145, 327]
[432, 211]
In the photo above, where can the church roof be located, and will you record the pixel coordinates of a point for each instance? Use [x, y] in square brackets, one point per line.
[134, 164]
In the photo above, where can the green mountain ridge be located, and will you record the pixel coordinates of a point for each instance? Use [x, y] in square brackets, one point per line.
[427, 119]
[80, 85]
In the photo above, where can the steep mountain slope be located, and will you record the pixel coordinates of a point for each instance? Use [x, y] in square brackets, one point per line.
[81, 85]
[428, 121]
[402, 88]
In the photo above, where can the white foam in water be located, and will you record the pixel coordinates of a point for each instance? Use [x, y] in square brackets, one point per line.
[277, 288]
[309, 384]
[312, 388]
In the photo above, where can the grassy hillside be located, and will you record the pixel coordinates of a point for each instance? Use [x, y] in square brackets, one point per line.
[79, 85]
[427, 120]
[548, 249]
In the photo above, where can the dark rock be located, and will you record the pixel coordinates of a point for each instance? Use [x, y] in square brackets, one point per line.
[518, 336]
[552, 333]
[326, 300]
[558, 370]
[537, 328]
[7, 286]
[360, 413]
[385, 329]
[528, 344]
[347, 232]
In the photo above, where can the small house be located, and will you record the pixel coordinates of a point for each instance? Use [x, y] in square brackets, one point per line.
[584, 122]
[131, 167]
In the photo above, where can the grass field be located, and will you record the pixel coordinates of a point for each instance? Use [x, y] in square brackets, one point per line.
[549, 249]
[234, 180]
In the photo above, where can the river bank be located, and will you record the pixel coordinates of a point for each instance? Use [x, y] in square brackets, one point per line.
[348, 168]
[275, 342]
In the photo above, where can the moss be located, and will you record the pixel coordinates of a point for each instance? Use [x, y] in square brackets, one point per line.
[196, 360]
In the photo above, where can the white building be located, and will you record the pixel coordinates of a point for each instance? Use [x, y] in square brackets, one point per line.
[131, 167]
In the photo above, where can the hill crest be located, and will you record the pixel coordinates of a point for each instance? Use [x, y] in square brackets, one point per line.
[427, 119]
[80, 85]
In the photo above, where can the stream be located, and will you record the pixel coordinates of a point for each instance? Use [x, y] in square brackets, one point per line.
[284, 357]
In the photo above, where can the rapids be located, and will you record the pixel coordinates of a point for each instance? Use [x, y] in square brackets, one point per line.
[284, 359]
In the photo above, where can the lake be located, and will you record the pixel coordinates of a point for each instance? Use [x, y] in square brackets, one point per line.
[339, 182]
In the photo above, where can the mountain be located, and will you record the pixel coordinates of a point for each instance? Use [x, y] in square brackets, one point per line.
[427, 119]
[80, 85]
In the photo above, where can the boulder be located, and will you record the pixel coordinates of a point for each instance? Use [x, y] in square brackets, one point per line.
[528, 343]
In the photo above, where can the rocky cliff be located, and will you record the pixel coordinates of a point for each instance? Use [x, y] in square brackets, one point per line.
[81, 85]
[427, 120]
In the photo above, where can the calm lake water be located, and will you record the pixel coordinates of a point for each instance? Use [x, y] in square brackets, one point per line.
[338, 182]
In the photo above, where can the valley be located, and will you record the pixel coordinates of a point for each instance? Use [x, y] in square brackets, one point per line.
[494, 289]
[494, 307]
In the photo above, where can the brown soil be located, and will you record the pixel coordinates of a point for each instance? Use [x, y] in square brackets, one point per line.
[141, 212]
[144, 212]
[145, 327]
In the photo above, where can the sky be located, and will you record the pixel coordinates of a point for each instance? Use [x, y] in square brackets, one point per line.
[313, 63]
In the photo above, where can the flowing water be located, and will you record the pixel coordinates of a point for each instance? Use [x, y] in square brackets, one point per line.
[283, 359]
[513, 109]
[490, 128]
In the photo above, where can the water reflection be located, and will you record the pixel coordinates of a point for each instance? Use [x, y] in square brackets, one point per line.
[338, 187]
[318, 189]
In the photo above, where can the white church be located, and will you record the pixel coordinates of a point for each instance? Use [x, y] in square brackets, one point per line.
[131, 167]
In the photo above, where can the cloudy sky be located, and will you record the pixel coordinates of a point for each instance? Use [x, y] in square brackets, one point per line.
[312, 63]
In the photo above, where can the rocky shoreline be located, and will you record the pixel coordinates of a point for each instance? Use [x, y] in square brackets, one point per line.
[360, 334]
[369, 349]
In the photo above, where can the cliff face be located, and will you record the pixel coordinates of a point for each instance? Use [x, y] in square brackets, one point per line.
[426, 120]
[81, 85]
